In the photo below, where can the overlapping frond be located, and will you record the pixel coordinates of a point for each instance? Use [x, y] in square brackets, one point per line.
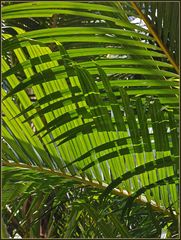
[105, 108]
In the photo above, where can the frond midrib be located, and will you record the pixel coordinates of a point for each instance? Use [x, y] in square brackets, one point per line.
[95, 184]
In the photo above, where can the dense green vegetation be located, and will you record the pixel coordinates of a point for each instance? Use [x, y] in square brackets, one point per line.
[90, 120]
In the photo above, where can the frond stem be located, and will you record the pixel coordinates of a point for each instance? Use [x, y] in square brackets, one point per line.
[155, 35]
[87, 182]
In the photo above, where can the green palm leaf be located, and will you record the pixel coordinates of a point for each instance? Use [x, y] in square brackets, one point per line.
[165, 24]
[105, 113]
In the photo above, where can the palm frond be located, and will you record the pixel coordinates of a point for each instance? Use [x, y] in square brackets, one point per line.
[104, 115]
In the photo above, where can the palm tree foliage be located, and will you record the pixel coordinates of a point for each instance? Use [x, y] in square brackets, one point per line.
[90, 121]
[163, 16]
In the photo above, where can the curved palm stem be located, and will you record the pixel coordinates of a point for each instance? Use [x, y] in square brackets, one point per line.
[87, 182]
[156, 37]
